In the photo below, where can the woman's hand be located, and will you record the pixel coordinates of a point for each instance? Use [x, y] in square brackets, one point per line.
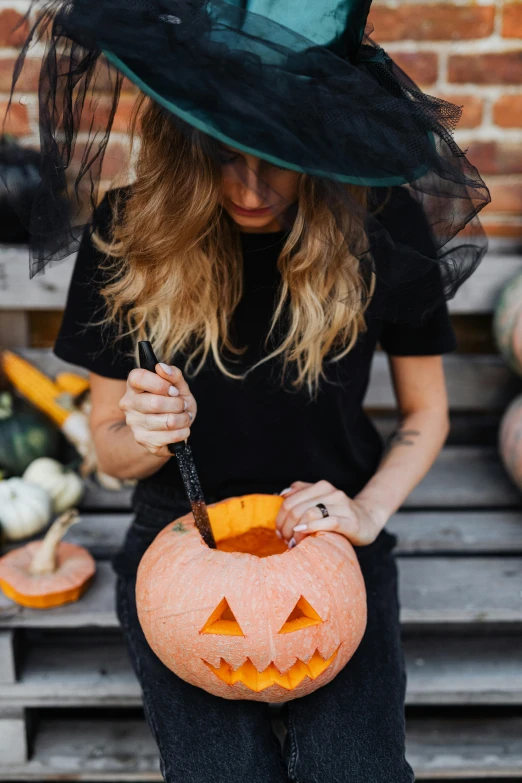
[299, 515]
[158, 407]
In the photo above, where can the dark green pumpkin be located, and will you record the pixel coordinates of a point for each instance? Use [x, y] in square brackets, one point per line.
[25, 435]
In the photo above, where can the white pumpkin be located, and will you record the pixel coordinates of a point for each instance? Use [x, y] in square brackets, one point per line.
[25, 509]
[64, 486]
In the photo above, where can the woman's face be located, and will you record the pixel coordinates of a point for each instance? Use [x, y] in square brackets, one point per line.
[255, 192]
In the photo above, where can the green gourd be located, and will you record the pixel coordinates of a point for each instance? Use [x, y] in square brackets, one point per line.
[25, 435]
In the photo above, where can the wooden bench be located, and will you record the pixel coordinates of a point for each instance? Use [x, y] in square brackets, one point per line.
[69, 701]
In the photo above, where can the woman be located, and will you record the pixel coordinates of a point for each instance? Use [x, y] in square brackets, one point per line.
[283, 415]
[296, 200]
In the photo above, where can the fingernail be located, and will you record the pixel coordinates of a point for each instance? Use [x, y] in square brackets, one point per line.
[173, 391]
[291, 543]
[185, 405]
[285, 491]
[278, 533]
[300, 528]
[165, 368]
[191, 416]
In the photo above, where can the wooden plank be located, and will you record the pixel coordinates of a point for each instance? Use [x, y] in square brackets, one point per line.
[481, 292]
[434, 590]
[463, 669]
[475, 382]
[473, 590]
[122, 749]
[48, 291]
[429, 532]
[470, 478]
[44, 292]
[96, 672]
[14, 329]
[13, 737]
[97, 499]
[71, 673]
[462, 477]
[465, 748]
[7, 658]
[459, 532]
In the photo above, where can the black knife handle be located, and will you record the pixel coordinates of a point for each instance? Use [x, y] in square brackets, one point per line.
[148, 361]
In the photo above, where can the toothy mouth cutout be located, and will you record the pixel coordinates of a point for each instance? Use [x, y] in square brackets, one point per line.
[258, 681]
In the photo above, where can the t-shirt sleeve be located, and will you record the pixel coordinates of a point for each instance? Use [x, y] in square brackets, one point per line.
[433, 334]
[82, 339]
[432, 337]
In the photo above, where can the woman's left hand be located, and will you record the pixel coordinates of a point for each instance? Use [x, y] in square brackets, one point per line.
[299, 516]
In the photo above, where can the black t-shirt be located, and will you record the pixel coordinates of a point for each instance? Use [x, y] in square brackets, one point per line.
[253, 435]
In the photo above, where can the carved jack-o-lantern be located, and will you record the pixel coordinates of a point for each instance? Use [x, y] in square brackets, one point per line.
[268, 627]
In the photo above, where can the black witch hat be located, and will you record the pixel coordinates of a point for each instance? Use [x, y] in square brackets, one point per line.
[298, 83]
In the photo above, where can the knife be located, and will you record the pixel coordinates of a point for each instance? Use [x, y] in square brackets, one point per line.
[187, 468]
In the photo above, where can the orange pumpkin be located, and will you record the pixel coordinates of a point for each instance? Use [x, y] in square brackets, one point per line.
[47, 573]
[269, 628]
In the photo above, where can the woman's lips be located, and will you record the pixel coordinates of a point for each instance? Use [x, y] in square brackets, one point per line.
[251, 212]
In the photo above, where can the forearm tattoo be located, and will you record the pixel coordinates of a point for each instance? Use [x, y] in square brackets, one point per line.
[401, 437]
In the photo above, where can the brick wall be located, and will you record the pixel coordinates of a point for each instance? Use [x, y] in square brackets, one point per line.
[468, 53]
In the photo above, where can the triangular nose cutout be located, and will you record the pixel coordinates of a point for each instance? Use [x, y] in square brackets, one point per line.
[222, 621]
[301, 616]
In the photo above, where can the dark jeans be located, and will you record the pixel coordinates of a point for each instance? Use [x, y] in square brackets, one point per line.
[349, 731]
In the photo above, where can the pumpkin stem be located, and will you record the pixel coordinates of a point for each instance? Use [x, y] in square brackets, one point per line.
[44, 561]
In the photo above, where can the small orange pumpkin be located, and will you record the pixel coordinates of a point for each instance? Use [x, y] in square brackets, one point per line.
[50, 572]
[269, 628]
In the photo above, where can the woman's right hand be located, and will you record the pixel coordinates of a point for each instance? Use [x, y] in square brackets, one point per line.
[158, 407]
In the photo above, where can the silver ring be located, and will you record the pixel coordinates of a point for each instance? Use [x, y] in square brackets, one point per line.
[322, 508]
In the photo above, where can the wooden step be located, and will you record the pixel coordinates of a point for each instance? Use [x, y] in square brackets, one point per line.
[434, 590]
[465, 748]
[122, 749]
[419, 532]
[475, 382]
[96, 672]
[463, 477]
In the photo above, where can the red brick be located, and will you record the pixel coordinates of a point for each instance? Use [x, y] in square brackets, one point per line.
[506, 197]
[440, 22]
[495, 157]
[472, 108]
[18, 122]
[9, 19]
[121, 117]
[507, 111]
[28, 79]
[496, 228]
[501, 68]
[512, 20]
[421, 67]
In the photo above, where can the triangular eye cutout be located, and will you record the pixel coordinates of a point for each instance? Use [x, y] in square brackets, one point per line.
[222, 621]
[301, 616]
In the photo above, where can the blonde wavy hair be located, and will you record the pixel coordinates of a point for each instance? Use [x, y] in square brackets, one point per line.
[175, 261]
